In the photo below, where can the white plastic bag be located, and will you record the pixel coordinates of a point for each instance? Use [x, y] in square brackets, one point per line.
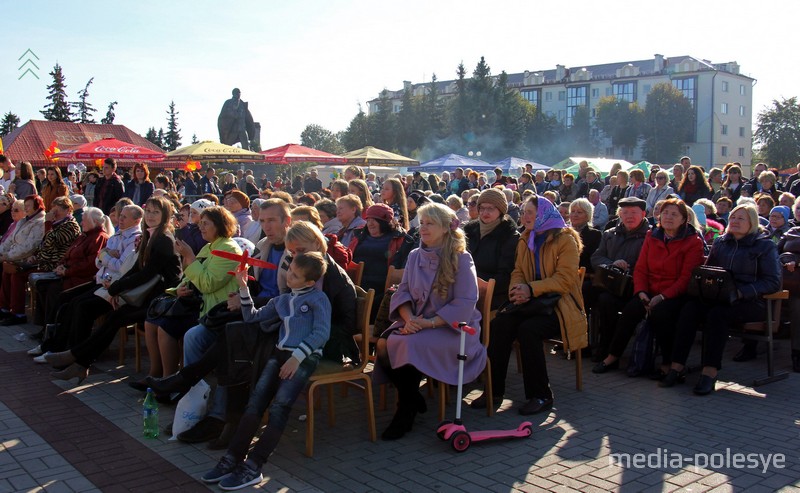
[191, 408]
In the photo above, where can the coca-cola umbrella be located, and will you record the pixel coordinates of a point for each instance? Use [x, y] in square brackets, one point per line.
[110, 148]
[295, 153]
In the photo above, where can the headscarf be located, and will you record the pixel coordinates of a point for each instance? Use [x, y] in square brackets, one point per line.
[547, 217]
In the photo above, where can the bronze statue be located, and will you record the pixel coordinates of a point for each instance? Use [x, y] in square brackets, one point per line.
[235, 123]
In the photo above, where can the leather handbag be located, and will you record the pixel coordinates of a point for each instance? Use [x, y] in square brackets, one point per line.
[137, 296]
[616, 281]
[170, 306]
[538, 305]
[219, 316]
[712, 284]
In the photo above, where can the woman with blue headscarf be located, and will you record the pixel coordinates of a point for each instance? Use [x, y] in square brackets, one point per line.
[546, 262]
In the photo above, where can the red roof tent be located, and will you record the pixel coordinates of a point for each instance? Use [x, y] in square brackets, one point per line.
[28, 142]
[294, 153]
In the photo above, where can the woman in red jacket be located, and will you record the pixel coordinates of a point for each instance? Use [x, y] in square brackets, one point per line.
[669, 254]
[77, 266]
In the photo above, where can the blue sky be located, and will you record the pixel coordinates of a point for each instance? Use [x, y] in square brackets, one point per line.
[304, 62]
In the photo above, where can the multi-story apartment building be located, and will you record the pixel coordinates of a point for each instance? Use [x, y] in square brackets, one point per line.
[721, 96]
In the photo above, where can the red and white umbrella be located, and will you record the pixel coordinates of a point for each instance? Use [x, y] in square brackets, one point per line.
[110, 148]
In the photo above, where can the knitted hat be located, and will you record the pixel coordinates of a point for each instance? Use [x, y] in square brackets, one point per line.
[381, 212]
[240, 196]
[785, 212]
[201, 204]
[495, 197]
[419, 198]
[700, 211]
[78, 201]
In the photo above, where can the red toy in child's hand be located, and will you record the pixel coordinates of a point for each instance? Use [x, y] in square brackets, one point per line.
[244, 260]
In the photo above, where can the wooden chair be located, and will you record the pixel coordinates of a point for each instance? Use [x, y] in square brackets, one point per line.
[485, 293]
[765, 331]
[394, 276]
[356, 272]
[330, 372]
[576, 354]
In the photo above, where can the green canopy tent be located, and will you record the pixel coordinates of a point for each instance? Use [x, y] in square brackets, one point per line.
[646, 166]
[601, 165]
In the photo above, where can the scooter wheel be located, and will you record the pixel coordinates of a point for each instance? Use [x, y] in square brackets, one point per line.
[528, 429]
[460, 441]
[439, 431]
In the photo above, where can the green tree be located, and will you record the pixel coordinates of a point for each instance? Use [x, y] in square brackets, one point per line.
[357, 134]
[543, 134]
[459, 110]
[161, 138]
[83, 108]
[483, 101]
[58, 109]
[433, 113]
[109, 118]
[172, 140]
[580, 133]
[513, 114]
[383, 123]
[409, 126]
[320, 138]
[668, 118]
[9, 123]
[620, 121]
[778, 133]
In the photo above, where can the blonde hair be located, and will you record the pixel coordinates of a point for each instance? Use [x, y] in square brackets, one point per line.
[308, 233]
[752, 216]
[453, 244]
[307, 213]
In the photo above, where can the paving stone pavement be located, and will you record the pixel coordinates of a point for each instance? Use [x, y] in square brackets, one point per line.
[57, 437]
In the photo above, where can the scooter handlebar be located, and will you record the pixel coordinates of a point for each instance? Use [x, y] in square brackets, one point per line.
[463, 326]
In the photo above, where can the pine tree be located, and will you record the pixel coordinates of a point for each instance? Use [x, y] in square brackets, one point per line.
[172, 140]
[161, 139]
[57, 110]
[152, 136]
[459, 108]
[9, 123]
[357, 134]
[109, 119]
[82, 107]
[409, 129]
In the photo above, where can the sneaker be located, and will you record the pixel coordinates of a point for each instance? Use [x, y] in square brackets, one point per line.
[243, 476]
[37, 351]
[224, 467]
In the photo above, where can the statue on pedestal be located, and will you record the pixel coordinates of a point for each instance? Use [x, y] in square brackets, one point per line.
[235, 123]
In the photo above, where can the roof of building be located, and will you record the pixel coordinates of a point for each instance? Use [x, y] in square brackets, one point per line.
[598, 72]
[28, 142]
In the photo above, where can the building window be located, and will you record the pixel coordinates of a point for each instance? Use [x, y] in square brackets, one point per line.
[688, 87]
[724, 151]
[548, 96]
[741, 111]
[742, 90]
[531, 96]
[561, 115]
[562, 95]
[594, 112]
[741, 152]
[396, 108]
[625, 91]
[724, 86]
[723, 108]
[741, 131]
[575, 99]
[724, 130]
[595, 93]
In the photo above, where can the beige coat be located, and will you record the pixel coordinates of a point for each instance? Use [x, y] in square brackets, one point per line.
[559, 258]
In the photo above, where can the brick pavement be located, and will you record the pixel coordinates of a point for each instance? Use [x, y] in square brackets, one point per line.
[569, 450]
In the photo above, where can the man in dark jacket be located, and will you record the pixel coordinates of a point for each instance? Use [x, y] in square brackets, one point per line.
[312, 183]
[109, 188]
[619, 247]
[207, 183]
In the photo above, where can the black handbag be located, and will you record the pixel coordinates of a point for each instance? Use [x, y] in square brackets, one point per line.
[614, 280]
[538, 305]
[712, 284]
[248, 346]
[219, 316]
[170, 306]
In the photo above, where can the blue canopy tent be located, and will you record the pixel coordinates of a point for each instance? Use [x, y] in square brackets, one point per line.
[511, 163]
[450, 162]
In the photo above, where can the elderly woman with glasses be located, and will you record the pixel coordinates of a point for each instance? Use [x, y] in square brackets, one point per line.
[661, 191]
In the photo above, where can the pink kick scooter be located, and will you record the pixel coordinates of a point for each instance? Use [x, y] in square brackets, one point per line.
[455, 431]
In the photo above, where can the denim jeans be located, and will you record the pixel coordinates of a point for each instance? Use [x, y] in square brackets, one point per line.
[277, 394]
[196, 342]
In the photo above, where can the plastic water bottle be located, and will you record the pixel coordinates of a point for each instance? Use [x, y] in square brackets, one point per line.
[150, 414]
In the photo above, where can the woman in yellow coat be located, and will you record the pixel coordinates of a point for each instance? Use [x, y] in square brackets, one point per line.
[546, 262]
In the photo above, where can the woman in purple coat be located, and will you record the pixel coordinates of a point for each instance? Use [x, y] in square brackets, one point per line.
[439, 289]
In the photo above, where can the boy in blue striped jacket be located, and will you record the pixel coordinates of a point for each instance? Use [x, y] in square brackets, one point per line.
[305, 316]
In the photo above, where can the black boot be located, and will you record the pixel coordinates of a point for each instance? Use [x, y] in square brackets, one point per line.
[175, 383]
[401, 423]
